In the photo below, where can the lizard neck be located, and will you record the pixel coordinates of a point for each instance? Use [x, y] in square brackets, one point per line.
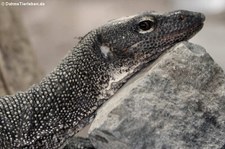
[73, 89]
[62, 103]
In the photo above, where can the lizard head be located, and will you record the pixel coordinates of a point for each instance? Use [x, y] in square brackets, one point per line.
[142, 36]
[127, 44]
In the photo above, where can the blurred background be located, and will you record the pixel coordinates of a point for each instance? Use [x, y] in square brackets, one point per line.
[53, 28]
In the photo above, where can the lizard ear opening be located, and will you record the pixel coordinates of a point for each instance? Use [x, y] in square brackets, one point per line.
[146, 25]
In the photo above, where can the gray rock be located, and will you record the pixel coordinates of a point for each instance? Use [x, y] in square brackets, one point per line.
[178, 102]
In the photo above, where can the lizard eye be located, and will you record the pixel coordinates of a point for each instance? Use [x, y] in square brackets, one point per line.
[146, 26]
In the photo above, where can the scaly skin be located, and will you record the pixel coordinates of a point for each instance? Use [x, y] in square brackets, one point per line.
[66, 100]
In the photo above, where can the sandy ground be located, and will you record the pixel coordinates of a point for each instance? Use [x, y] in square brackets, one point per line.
[53, 28]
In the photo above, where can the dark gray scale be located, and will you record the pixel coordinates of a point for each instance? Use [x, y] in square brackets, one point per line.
[65, 101]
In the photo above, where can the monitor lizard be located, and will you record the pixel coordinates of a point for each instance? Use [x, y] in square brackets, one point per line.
[66, 100]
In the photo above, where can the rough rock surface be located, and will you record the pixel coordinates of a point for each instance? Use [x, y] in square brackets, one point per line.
[178, 102]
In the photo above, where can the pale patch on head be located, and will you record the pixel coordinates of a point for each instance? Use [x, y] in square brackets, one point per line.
[105, 50]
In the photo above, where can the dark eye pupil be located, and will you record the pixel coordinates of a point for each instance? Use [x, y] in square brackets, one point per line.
[145, 25]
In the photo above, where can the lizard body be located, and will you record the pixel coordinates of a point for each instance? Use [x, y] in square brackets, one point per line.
[66, 100]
